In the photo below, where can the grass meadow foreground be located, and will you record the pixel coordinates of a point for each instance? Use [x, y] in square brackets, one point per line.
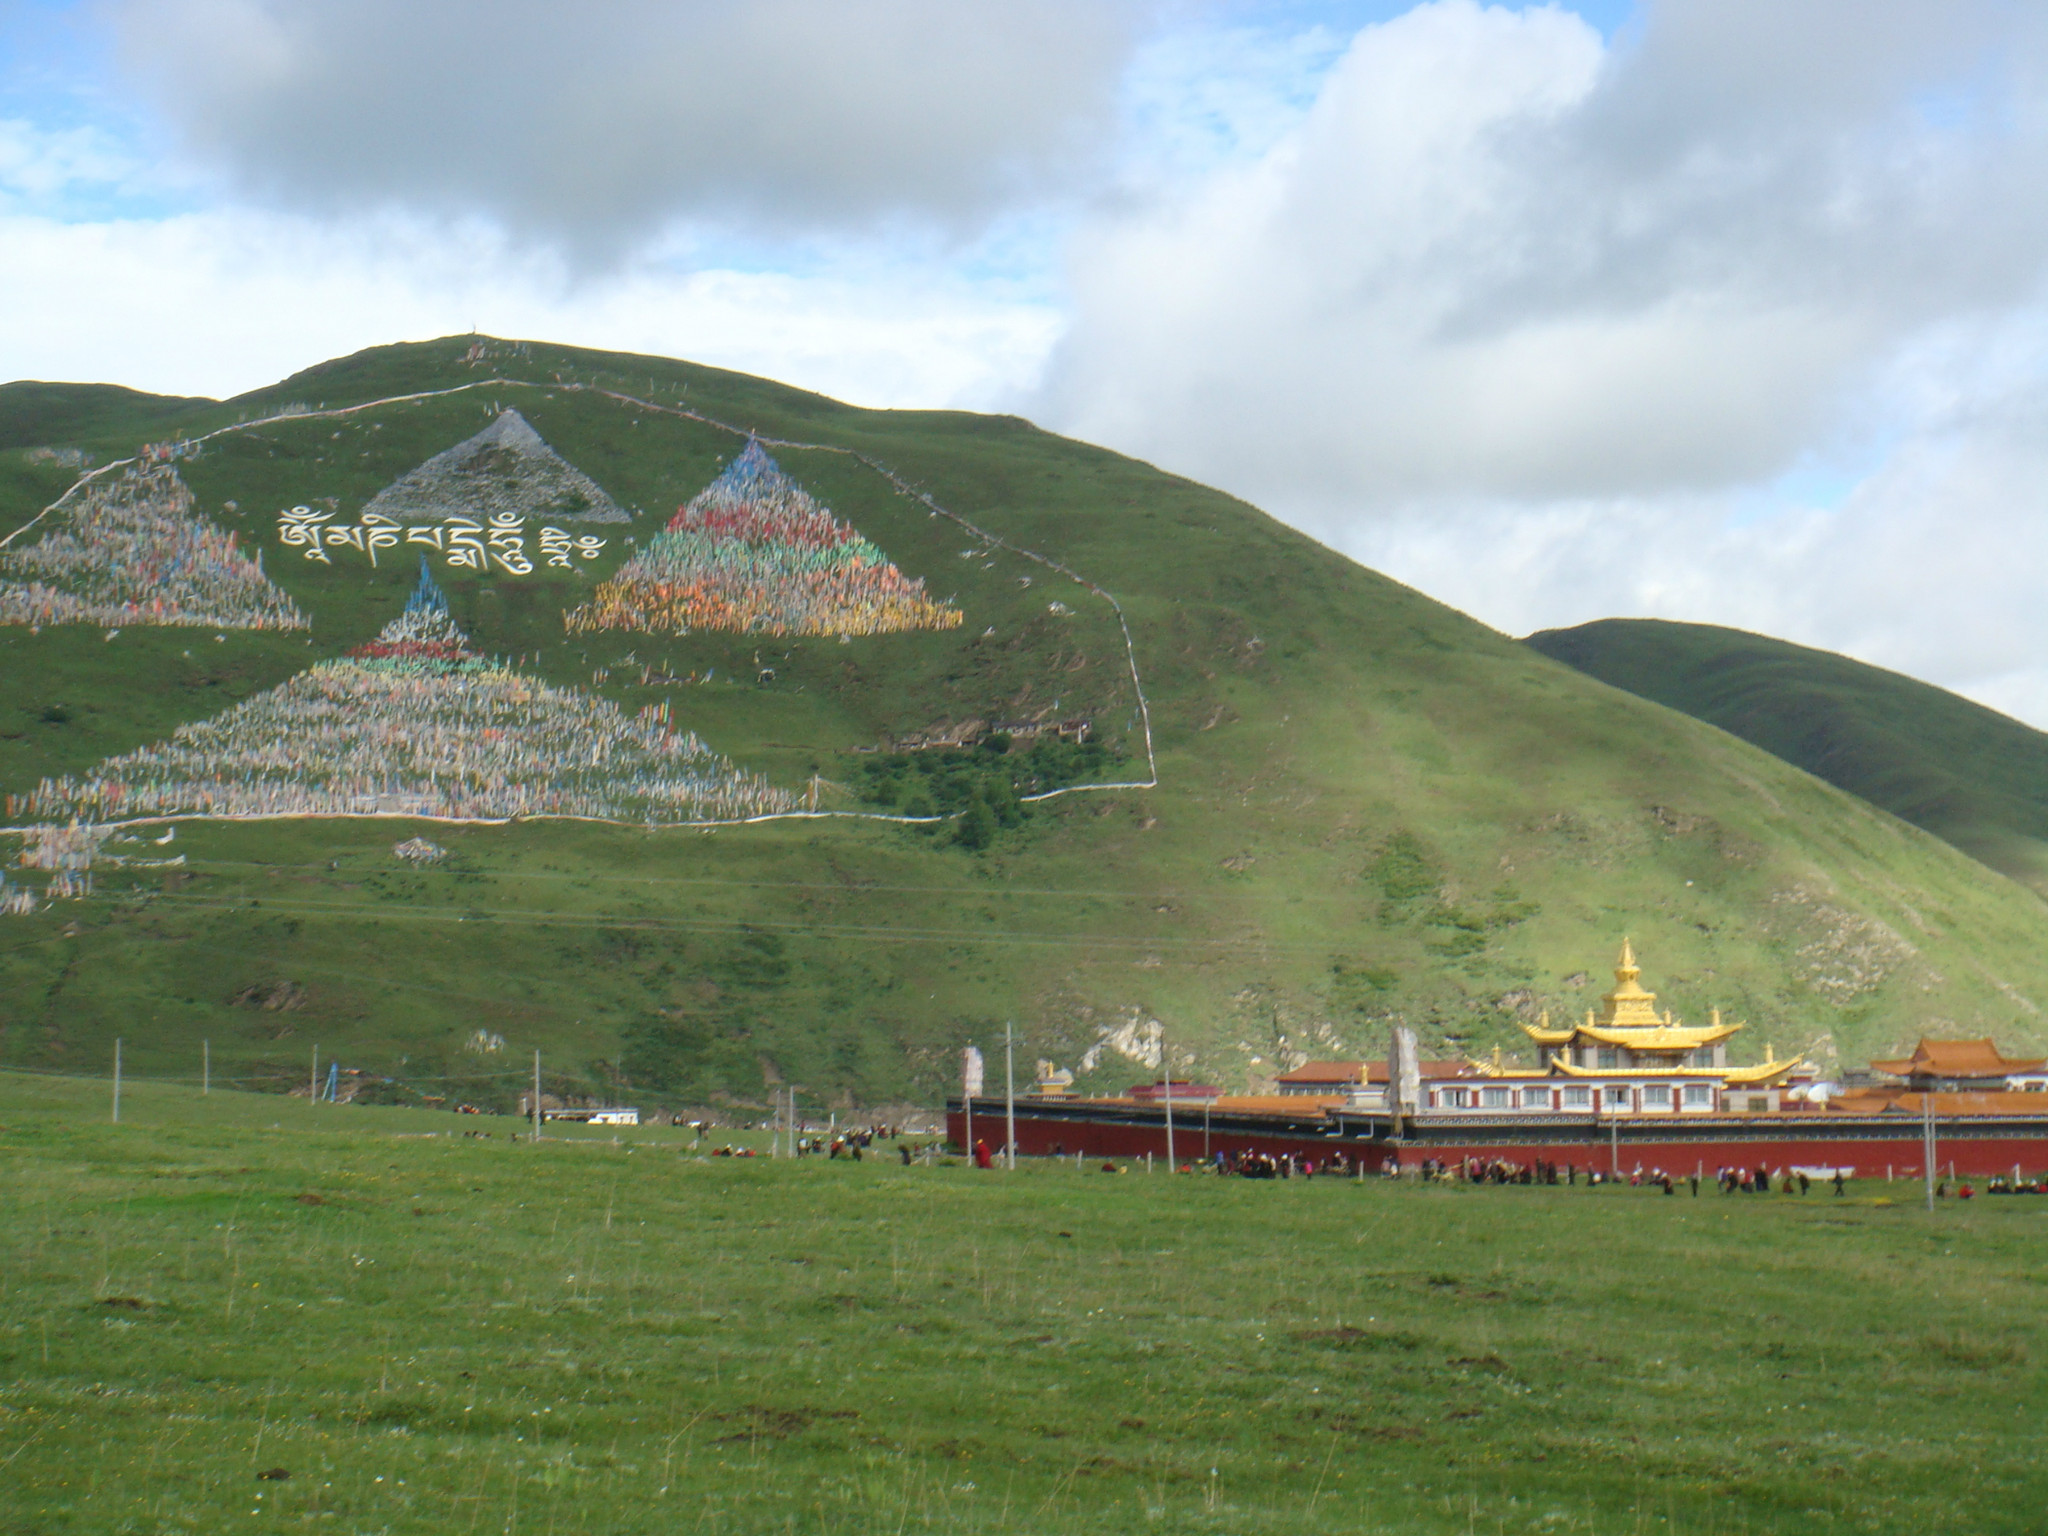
[448, 1333]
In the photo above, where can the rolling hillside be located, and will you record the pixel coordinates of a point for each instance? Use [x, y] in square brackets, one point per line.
[1368, 808]
[34, 414]
[1969, 775]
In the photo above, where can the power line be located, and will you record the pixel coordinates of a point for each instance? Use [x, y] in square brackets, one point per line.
[648, 924]
[1049, 892]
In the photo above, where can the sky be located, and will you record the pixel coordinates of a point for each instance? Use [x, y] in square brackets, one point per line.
[1730, 311]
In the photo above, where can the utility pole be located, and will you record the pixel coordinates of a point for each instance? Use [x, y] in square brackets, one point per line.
[536, 1095]
[1010, 1093]
[117, 1082]
[205, 1068]
[1166, 1061]
[1928, 1151]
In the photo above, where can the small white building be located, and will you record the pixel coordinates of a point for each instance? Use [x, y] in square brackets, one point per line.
[593, 1116]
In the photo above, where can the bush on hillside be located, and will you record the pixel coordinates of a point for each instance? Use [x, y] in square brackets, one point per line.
[985, 784]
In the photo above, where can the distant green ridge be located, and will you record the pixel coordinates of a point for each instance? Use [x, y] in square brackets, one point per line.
[34, 414]
[1971, 776]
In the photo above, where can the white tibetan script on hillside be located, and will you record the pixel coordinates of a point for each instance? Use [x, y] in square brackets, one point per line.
[461, 541]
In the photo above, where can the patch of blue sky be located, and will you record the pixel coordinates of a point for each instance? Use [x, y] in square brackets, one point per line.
[1347, 17]
[1981, 101]
[1814, 482]
[1200, 97]
[1015, 259]
[74, 147]
[1224, 88]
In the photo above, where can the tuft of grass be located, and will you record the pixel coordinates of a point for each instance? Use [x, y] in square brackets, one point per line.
[1972, 1351]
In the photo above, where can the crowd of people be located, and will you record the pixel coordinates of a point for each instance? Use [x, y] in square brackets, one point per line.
[1757, 1180]
[755, 553]
[1286, 1165]
[850, 1142]
[417, 723]
[1251, 1164]
[1543, 1171]
[133, 549]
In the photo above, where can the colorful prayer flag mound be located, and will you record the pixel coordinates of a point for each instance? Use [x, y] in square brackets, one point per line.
[507, 467]
[755, 553]
[134, 549]
[417, 723]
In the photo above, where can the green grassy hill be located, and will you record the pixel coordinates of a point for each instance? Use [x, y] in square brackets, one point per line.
[1969, 775]
[35, 414]
[1370, 808]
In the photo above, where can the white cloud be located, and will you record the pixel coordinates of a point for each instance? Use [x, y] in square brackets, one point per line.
[216, 303]
[593, 126]
[1553, 325]
[40, 165]
[1535, 320]
[1931, 566]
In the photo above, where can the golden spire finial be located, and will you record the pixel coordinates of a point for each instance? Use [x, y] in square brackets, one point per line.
[1496, 1059]
[1770, 1052]
[1627, 969]
[1543, 1019]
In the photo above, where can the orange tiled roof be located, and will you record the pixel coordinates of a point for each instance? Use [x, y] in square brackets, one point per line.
[1274, 1103]
[1330, 1072]
[1878, 1101]
[1348, 1072]
[1957, 1058]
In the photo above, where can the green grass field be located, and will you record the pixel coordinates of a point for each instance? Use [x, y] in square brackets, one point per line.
[440, 1333]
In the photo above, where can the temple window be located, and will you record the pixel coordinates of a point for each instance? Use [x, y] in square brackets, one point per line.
[1699, 1095]
[1494, 1098]
[1578, 1098]
[1617, 1098]
[1607, 1058]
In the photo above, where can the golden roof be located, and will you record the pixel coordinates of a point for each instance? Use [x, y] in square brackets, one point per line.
[1662, 1037]
[1762, 1075]
[1630, 1004]
[1628, 1016]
